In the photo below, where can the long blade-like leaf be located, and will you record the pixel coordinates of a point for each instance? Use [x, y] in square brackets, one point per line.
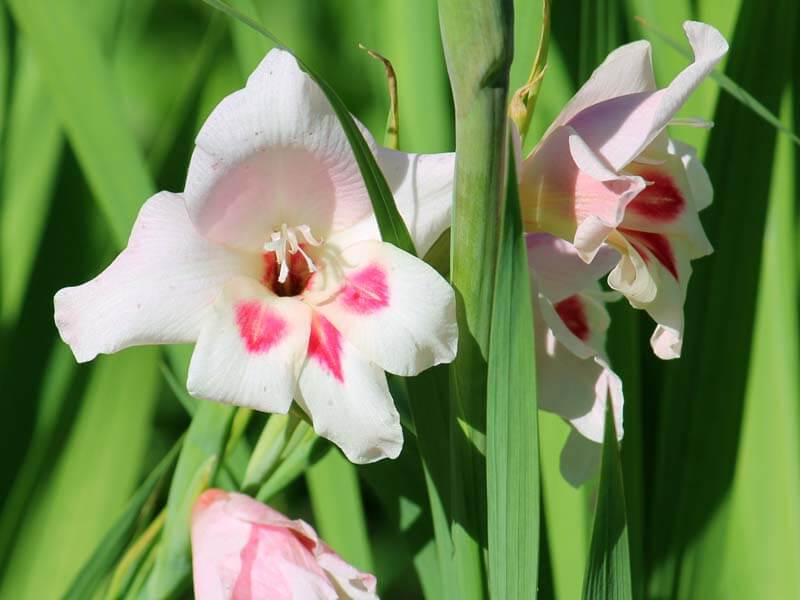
[512, 443]
[608, 572]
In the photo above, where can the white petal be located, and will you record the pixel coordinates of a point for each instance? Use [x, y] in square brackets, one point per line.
[272, 153]
[396, 309]
[580, 458]
[559, 270]
[702, 191]
[157, 291]
[347, 397]
[627, 70]
[251, 348]
[620, 128]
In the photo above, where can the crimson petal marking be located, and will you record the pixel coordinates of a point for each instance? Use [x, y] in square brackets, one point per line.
[573, 314]
[646, 243]
[661, 200]
[366, 291]
[325, 346]
[259, 327]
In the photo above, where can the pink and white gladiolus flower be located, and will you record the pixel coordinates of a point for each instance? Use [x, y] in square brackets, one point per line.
[574, 379]
[271, 261]
[245, 550]
[606, 172]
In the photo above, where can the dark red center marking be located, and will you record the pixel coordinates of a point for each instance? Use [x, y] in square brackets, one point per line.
[366, 291]
[647, 243]
[297, 280]
[573, 314]
[661, 200]
[259, 327]
[325, 346]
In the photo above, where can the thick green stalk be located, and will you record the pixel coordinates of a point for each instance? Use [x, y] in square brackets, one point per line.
[478, 41]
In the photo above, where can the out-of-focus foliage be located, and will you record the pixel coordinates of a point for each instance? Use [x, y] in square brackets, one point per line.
[99, 104]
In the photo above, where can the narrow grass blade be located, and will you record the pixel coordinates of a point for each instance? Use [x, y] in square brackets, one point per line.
[200, 457]
[512, 443]
[88, 106]
[608, 572]
[115, 541]
[342, 523]
[700, 413]
[33, 144]
[92, 480]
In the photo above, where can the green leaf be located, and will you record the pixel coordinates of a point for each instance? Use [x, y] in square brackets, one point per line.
[342, 523]
[512, 444]
[114, 542]
[700, 411]
[200, 457]
[608, 571]
[89, 107]
[92, 478]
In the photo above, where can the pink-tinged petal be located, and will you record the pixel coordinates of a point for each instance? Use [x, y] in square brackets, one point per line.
[272, 153]
[158, 290]
[251, 348]
[558, 269]
[580, 459]
[620, 128]
[244, 550]
[347, 398]
[568, 191]
[627, 70]
[394, 308]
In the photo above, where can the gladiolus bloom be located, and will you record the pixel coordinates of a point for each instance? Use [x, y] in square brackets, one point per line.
[244, 550]
[607, 172]
[271, 261]
[574, 379]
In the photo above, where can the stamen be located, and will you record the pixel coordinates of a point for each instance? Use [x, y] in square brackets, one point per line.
[287, 236]
[698, 122]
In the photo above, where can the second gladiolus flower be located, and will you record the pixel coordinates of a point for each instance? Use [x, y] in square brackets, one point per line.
[244, 550]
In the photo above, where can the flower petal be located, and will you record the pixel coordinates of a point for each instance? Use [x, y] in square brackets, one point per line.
[396, 309]
[157, 291]
[567, 191]
[702, 192]
[580, 458]
[573, 387]
[619, 129]
[251, 348]
[272, 153]
[626, 70]
[558, 269]
[347, 397]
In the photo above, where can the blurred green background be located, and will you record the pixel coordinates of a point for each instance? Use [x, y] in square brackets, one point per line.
[99, 104]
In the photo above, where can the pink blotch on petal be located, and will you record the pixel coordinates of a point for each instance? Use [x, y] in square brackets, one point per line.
[654, 243]
[259, 327]
[574, 316]
[325, 346]
[366, 291]
[660, 201]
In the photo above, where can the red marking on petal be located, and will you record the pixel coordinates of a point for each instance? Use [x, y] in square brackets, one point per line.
[298, 279]
[661, 200]
[366, 291]
[259, 327]
[325, 346]
[574, 316]
[645, 243]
